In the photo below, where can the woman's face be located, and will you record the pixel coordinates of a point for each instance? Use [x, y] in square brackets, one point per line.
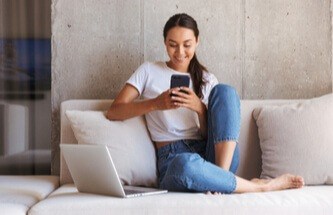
[180, 44]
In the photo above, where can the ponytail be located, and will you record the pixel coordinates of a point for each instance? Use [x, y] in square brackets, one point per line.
[196, 71]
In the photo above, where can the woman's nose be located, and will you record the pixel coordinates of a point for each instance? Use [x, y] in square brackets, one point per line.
[180, 50]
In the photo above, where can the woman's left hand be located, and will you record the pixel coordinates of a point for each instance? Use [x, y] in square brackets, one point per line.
[185, 97]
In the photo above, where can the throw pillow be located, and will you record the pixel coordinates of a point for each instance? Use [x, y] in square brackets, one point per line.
[129, 142]
[297, 138]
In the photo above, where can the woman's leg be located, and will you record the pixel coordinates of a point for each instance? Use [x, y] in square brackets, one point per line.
[223, 126]
[286, 181]
[186, 171]
[224, 153]
[190, 172]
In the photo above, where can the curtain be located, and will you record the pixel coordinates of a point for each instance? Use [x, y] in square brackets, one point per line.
[25, 83]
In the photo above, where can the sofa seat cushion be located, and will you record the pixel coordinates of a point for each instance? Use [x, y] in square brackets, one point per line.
[19, 193]
[308, 200]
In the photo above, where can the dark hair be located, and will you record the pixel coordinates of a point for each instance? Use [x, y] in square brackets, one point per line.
[195, 68]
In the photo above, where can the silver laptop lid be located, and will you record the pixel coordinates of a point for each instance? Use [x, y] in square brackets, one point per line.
[92, 169]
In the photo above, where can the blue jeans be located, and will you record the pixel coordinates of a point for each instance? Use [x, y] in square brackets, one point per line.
[189, 165]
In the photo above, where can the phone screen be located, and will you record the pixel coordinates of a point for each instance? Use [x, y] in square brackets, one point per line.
[180, 81]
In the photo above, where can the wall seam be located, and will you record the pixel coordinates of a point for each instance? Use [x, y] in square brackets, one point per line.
[142, 32]
[55, 106]
[2, 85]
[243, 47]
[331, 9]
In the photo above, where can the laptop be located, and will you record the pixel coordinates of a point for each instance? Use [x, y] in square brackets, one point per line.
[93, 171]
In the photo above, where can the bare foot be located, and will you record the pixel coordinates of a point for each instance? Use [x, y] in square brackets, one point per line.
[286, 181]
[213, 193]
[260, 181]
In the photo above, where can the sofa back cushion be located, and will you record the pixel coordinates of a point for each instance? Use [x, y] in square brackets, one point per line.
[66, 132]
[250, 160]
[298, 139]
[129, 143]
[250, 152]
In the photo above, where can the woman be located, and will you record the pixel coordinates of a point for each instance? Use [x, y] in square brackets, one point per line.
[195, 128]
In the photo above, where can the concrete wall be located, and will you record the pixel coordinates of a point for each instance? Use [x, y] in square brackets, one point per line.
[266, 49]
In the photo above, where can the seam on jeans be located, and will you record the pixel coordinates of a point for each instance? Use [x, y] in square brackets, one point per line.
[177, 179]
[184, 182]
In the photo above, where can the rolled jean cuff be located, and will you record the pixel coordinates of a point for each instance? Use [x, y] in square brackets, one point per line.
[234, 185]
[216, 141]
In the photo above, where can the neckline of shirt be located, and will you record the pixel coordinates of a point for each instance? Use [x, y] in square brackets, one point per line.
[174, 71]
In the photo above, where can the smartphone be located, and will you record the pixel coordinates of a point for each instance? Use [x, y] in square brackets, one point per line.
[179, 81]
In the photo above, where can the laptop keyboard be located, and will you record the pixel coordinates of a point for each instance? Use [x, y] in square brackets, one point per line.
[128, 191]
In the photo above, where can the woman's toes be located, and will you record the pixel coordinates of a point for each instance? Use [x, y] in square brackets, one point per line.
[298, 181]
[213, 193]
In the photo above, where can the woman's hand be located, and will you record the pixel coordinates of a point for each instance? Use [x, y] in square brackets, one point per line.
[164, 101]
[185, 97]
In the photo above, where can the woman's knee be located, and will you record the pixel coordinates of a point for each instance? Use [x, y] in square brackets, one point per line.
[224, 91]
[224, 98]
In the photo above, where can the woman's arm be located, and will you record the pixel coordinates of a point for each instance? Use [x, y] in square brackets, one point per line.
[124, 106]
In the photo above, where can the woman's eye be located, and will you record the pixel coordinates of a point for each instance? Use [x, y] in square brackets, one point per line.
[175, 46]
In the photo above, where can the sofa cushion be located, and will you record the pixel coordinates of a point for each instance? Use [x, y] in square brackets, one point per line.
[298, 139]
[19, 193]
[249, 148]
[130, 146]
[308, 200]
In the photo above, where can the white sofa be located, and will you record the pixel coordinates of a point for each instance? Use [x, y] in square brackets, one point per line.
[12, 118]
[19, 193]
[16, 157]
[67, 200]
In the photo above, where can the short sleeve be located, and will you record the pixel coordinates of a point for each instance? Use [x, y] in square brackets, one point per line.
[139, 77]
[211, 82]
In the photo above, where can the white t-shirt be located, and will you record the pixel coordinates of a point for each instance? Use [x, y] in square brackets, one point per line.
[152, 79]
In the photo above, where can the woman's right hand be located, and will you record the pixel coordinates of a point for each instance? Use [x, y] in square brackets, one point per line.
[164, 102]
